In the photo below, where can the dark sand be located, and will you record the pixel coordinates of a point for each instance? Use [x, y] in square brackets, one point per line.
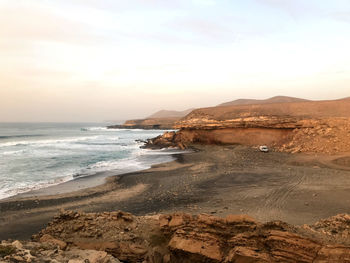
[219, 180]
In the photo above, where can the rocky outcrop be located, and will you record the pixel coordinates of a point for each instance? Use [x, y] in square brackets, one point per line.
[40, 252]
[179, 237]
[325, 136]
[206, 238]
[117, 233]
[166, 140]
[322, 126]
[335, 229]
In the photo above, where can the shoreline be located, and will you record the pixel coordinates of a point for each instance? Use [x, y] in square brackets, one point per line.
[218, 180]
[84, 182]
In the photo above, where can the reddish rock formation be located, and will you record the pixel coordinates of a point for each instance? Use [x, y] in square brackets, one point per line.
[180, 237]
[167, 140]
[240, 239]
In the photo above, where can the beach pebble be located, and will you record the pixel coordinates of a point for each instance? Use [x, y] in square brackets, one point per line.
[17, 244]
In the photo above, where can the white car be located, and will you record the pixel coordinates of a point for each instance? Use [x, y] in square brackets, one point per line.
[263, 148]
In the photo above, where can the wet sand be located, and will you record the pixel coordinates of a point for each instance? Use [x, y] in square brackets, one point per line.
[220, 180]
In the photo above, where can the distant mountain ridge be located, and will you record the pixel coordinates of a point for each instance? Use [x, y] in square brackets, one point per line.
[170, 114]
[274, 106]
[276, 99]
[163, 119]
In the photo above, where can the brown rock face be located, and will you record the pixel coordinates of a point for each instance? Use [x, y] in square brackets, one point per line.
[188, 238]
[336, 228]
[235, 239]
[167, 140]
[117, 233]
[49, 239]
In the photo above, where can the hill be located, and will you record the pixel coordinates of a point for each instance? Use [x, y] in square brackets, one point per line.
[163, 119]
[170, 114]
[303, 109]
[276, 99]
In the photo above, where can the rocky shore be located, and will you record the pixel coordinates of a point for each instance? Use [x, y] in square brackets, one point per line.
[108, 237]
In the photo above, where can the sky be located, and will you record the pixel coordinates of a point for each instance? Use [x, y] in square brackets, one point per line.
[99, 60]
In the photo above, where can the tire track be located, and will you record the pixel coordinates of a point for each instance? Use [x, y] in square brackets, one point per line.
[275, 202]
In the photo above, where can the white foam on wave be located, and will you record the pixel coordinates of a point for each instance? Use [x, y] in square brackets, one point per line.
[48, 142]
[124, 164]
[130, 130]
[164, 151]
[23, 187]
[12, 152]
[98, 129]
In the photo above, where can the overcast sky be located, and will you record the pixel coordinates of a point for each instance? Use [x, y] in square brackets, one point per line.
[96, 60]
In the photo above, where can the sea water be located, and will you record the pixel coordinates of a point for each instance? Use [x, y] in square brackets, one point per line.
[37, 155]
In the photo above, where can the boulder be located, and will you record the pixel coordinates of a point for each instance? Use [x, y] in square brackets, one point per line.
[51, 240]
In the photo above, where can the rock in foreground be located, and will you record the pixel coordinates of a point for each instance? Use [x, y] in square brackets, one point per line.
[104, 237]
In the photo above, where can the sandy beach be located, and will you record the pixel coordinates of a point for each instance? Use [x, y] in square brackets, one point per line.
[218, 180]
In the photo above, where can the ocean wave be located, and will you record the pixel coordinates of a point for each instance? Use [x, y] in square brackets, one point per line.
[48, 142]
[164, 152]
[4, 137]
[97, 129]
[122, 163]
[23, 187]
[104, 143]
[62, 155]
[119, 166]
[12, 152]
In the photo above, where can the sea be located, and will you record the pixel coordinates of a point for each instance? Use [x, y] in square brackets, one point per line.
[38, 155]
